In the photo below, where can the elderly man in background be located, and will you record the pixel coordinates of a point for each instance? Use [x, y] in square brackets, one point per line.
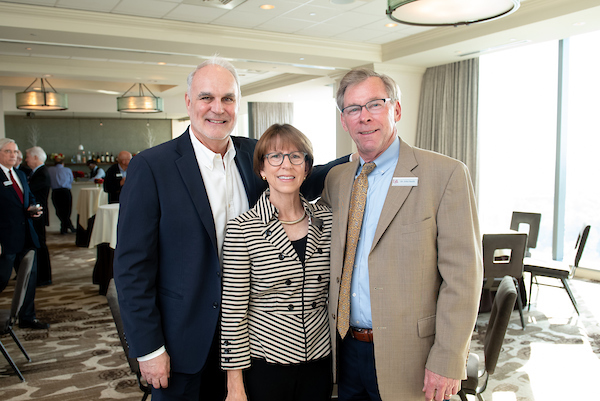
[39, 183]
[17, 235]
[115, 177]
[406, 265]
[20, 166]
[61, 179]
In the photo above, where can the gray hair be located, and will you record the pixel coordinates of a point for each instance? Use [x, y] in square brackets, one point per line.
[39, 152]
[6, 141]
[215, 60]
[360, 75]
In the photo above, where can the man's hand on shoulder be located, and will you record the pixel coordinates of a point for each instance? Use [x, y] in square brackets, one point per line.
[438, 387]
[157, 371]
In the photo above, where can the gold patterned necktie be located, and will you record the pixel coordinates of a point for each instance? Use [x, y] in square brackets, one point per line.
[355, 218]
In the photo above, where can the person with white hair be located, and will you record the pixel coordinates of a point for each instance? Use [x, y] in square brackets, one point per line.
[39, 182]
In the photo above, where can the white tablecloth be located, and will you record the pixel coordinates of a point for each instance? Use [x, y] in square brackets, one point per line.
[88, 202]
[105, 226]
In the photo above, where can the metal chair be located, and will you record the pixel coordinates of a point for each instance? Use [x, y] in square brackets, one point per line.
[504, 303]
[8, 317]
[533, 221]
[562, 271]
[113, 303]
[503, 255]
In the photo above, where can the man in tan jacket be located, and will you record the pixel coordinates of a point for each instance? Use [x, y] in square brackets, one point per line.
[416, 277]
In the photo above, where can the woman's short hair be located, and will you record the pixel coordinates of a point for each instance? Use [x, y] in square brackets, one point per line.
[282, 135]
[360, 75]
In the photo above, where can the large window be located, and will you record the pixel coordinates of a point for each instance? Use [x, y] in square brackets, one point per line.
[517, 131]
[517, 136]
[583, 158]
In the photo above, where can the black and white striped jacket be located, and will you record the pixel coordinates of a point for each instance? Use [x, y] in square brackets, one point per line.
[273, 306]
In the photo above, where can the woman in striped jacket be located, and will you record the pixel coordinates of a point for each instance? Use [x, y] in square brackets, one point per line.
[274, 325]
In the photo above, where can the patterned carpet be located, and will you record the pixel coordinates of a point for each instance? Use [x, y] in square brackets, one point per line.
[556, 357]
[80, 357]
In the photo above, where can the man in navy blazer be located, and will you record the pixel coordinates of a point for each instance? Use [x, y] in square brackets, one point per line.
[174, 208]
[17, 235]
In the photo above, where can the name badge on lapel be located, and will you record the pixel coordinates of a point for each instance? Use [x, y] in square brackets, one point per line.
[7, 183]
[119, 175]
[405, 181]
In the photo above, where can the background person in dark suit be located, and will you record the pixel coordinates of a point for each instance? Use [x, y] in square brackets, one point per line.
[174, 208]
[22, 166]
[17, 236]
[39, 183]
[115, 177]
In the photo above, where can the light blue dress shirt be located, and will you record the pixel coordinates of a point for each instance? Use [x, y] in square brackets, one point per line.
[60, 176]
[379, 182]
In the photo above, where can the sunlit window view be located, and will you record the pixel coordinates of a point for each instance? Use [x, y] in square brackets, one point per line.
[517, 142]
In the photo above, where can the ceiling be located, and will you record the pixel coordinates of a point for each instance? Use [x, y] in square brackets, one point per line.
[103, 47]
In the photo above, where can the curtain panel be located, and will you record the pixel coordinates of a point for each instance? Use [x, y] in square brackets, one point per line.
[261, 115]
[447, 121]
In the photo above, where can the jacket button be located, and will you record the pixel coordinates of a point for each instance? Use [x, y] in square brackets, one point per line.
[226, 351]
[337, 279]
[288, 282]
[218, 274]
[291, 307]
[226, 342]
[319, 279]
[333, 316]
[281, 256]
[268, 232]
[215, 305]
[320, 250]
[314, 305]
[227, 359]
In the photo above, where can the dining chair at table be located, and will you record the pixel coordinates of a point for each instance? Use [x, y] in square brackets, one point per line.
[503, 255]
[562, 271]
[533, 221]
[504, 303]
[9, 316]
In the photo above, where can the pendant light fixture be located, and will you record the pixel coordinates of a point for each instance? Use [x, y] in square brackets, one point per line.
[41, 98]
[449, 12]
[140, 103]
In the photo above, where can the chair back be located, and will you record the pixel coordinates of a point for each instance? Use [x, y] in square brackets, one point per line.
[503, 305]
[533, 220]
[21, 286]
[580, 244]
[113, 303]
[512, 247]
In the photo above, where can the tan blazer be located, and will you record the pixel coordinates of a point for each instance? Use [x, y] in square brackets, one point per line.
[425, 270]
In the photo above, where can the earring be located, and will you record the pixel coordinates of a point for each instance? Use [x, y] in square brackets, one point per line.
[264, 178]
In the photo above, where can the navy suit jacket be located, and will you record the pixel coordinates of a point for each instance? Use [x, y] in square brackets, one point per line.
[16, 227]
[166, 265]
[39, 183]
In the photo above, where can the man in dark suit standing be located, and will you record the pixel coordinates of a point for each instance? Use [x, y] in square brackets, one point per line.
[115, 177]
[39, 183]
[174, 208]
[17, 236]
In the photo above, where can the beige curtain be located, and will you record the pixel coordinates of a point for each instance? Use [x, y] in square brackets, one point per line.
[263, 114]
[448, 112]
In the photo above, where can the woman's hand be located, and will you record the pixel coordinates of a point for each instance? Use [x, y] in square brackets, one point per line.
[235, 386]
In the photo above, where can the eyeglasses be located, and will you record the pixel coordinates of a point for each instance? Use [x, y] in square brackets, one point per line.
[374, 107]
[276, 159]
[9, 151]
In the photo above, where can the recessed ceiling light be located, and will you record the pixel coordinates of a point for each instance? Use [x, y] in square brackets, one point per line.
[312, 14]
[391, 25]
[28, 48]
[579, 23]
[161, 63]
[267, 6]
[301, 58]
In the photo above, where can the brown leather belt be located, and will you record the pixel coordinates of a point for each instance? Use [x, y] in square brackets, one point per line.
[364, 335]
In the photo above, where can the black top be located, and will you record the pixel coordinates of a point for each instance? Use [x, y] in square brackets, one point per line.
[300, 247]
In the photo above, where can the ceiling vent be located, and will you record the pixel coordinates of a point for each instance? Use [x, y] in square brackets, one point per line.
[225, 4]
